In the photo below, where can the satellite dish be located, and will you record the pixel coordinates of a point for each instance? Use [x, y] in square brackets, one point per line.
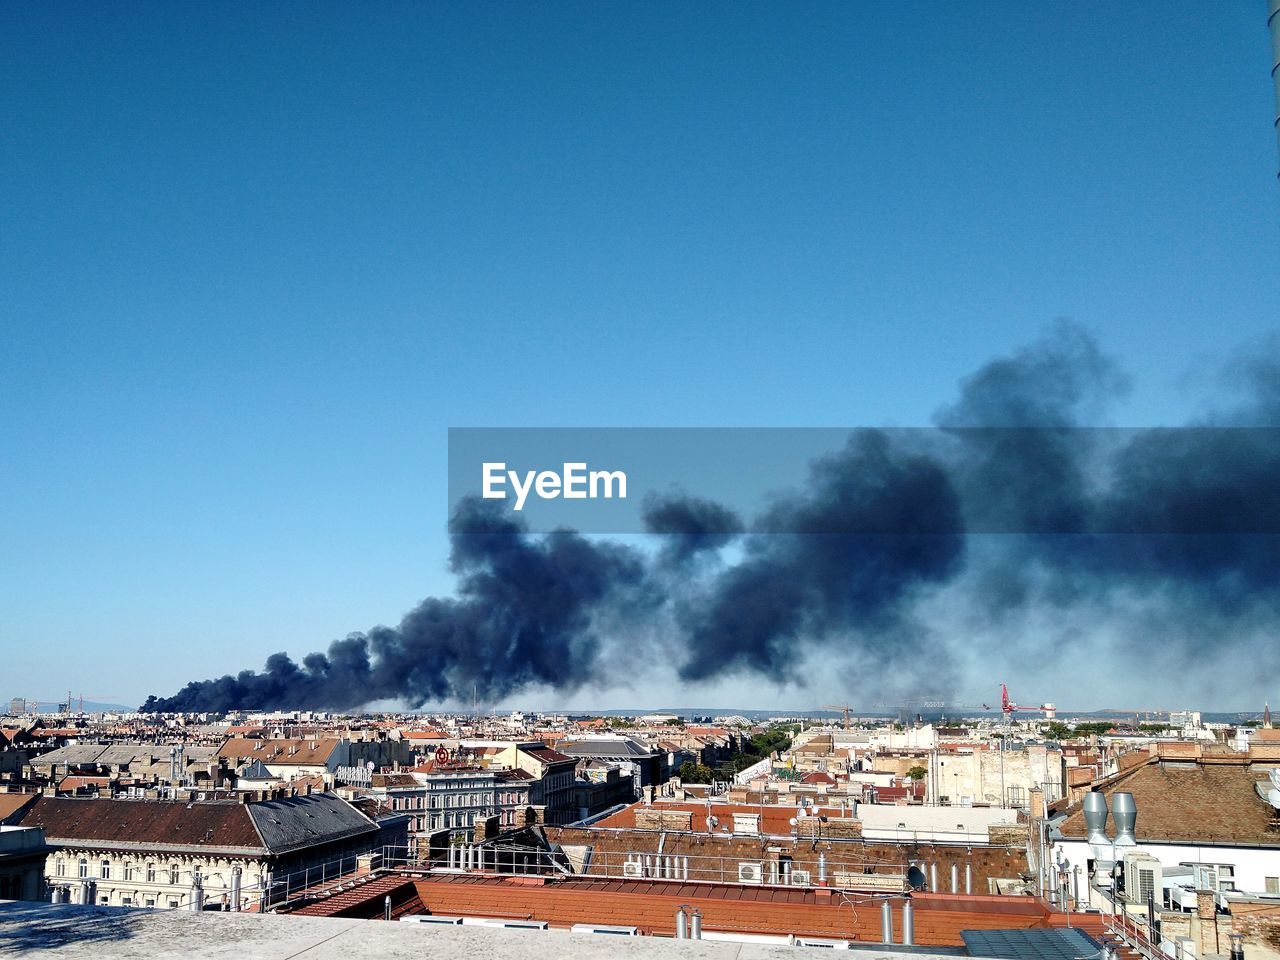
[915, 877]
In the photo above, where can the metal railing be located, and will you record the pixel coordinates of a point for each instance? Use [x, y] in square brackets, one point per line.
[1135, 933]
[811, 869]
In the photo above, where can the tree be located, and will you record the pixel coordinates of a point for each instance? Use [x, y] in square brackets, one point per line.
[691, 772]
[917, 773]
[1057, 730]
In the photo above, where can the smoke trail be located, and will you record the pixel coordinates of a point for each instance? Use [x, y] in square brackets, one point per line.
[1013, 503]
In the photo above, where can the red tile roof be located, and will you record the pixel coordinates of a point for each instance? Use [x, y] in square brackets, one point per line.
[651, 906]
[158, 822]
[775, 819]
[279, 752]
[1214, 800]
[11, 803]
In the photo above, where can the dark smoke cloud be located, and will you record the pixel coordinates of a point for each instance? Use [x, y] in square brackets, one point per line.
[1015, 510]
[690, 526]
[523, 616]
[836, 558]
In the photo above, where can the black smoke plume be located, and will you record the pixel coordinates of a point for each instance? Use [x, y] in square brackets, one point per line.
[1016, 506]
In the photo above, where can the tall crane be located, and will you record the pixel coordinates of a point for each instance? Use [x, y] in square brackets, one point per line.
[844, 708]
[1009, 708]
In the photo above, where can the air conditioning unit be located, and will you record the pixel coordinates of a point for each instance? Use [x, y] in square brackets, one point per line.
[633, 870]
[751, 872]
[1143, 878]
[800, 878]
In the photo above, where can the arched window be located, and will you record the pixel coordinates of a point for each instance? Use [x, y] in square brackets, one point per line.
[83, 871]
[60, 868]
[151, 873]
[173, 874]
[104, 870]
[128, 870]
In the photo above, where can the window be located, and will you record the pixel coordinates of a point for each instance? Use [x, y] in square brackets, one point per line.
[173, 904]
[173, 874]
[149, 902]
[104, 870]
[83, 869]
[126, 901]
[128, 870]
[60, 868]
[1273, 884]
[151, 878]
[1226, 877]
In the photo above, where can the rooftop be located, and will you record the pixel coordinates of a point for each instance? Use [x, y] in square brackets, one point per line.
[274, 826]
[1207, 800]
[71, 932]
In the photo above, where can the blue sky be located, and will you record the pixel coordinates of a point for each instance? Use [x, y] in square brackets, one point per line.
[254, 262]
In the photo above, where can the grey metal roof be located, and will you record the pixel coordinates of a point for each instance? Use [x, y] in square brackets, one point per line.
[122, 754]
[606, 747]
[293, 822]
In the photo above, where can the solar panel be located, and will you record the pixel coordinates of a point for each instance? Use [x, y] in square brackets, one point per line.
[1035, 944]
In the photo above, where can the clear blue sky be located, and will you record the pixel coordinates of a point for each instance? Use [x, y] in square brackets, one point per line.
[256, 259]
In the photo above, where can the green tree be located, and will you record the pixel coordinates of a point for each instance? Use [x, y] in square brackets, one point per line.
[691, 772]
[1056, 730]
[917, 773]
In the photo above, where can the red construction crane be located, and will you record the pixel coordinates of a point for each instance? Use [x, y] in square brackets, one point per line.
[1009, 708]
